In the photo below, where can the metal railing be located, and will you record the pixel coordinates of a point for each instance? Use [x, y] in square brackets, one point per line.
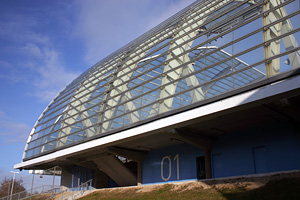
[75, 192]
[28, 194]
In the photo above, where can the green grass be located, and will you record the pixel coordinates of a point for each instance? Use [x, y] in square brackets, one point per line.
[288, 188]
[39, 197]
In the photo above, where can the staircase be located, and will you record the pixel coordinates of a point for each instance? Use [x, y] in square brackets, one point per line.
[83, 189]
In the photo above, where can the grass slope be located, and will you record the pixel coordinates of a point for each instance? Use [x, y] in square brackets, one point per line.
[287, 189]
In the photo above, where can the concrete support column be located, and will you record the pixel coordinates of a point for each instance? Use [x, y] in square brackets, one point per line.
[207, 157]
[140, 173]
[65, 180]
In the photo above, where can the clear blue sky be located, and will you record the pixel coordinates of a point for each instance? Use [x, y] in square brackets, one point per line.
[44, 45]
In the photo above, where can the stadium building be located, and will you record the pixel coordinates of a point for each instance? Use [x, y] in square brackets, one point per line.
[213, 91]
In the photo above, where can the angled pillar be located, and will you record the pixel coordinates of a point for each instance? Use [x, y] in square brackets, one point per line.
[137, 156]
[273, 48]
[130, 154]
[171, 72]
[116, 170]
[131, 62]
[100, 179]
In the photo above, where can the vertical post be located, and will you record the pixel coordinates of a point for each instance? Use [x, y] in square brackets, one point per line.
[272, 48]
[78, 183]
[72, 185]
[140, 173]
[31, 184]
[207, 157]
[8, 189]
[266, 36]
[12, 186]
[54, 170]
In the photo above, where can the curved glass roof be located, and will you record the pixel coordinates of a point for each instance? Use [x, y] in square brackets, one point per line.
[195, 55]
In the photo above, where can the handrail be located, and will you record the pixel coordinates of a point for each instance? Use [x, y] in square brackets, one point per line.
[31, 192]
[88, 186]
[81, 189]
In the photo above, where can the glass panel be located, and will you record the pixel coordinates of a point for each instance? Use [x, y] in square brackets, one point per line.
[119, 91]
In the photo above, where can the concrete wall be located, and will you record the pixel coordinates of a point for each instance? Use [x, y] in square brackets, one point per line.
[66, 176]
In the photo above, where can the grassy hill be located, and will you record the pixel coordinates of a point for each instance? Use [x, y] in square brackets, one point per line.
[285, 187]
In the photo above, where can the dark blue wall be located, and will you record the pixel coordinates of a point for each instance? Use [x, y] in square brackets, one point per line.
[265, 148]
[187, 163]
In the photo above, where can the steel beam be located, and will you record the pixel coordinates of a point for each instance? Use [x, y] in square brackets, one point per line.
[273, 48]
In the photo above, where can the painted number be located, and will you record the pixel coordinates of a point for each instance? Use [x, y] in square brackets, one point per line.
[168, 159]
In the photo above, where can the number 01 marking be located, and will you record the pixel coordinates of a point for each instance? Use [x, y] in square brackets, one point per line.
[170, 167]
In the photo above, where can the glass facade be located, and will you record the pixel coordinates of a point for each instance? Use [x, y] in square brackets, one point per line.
[207, 49]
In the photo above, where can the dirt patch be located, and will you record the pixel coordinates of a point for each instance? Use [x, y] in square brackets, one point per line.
[147, 188]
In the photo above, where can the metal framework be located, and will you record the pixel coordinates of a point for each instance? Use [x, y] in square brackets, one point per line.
[207, 49]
